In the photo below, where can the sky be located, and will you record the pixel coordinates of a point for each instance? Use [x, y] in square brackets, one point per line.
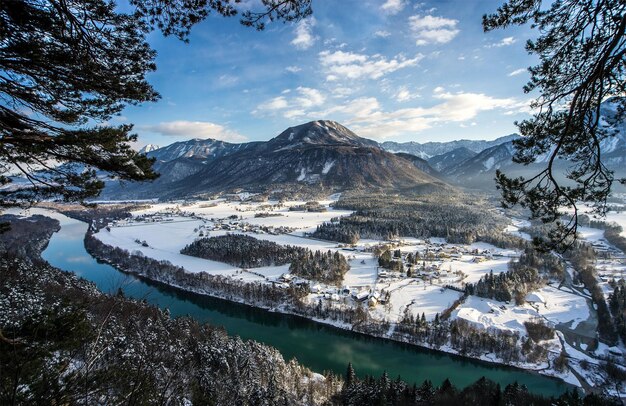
[390, 70]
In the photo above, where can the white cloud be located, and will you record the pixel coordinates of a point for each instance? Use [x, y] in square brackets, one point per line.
[504, 42]
[351, 65]
[275, 103]
[393, 6]
[366, 117]
[517, 72]
[430, 29]
[382, 33]
[403, 95]
[340, 58]
[293, 106]
[227, 80]
[356, 110]
[342, 91]
[309, 97]
[465, 106]
[293, 69]
[304, 34]
[194, 129]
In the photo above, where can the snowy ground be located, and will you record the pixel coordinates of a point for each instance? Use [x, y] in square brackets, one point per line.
[562, 307]
[491, 314]
[418, 297]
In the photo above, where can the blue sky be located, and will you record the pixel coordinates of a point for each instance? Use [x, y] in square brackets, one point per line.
[387, 69]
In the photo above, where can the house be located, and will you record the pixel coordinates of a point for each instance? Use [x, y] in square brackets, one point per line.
[361, 296]
[286, 277]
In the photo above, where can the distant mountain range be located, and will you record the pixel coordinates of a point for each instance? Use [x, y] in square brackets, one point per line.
[471, 167]
[429, 150]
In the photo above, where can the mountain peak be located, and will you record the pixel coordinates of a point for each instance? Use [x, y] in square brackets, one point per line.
[319, 133]
[148, 148]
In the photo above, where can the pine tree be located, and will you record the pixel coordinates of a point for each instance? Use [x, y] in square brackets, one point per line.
[350, 376]
[68, 66]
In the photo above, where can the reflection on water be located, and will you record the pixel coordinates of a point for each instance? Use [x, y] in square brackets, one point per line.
[317, 346]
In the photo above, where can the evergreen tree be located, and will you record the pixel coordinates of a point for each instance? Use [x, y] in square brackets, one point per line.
[350, 376]
[68, 66]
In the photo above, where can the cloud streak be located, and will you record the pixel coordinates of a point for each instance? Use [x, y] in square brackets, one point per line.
[194, 129]
[349, 65]
[304, 38]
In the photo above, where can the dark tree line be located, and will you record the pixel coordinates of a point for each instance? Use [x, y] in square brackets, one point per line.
[524, 275]
[243, 251]
[248, 252]
[386, 391]
[506, 286]
[617, 304]
[446, 216]
[392, 262]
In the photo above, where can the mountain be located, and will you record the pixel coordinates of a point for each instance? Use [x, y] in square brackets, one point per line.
[148, 148]
[613, 148]
[420, 164]
[447, 160]
[430, 149]
[486, 161]
[317, 156]
[202, 149]
[479, 170]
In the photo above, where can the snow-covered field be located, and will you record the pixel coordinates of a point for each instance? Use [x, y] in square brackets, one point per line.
[416, 297]
[562, 307]
[491, 314]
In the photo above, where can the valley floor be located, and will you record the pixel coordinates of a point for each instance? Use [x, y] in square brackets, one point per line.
[436, 287]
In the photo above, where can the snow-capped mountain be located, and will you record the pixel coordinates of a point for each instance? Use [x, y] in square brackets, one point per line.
[317, 155]
[148, 148]
[420, 164]
[479, 170]
[196, 148]
[429, 150]
[486, 161]
[445, 161]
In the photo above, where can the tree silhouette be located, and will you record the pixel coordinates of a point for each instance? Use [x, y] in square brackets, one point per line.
[581, 48]
[67, 67]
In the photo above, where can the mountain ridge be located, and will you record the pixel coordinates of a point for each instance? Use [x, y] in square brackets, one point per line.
[319, 155]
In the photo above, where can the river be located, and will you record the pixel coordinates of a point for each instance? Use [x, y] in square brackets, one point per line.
[315, 345]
